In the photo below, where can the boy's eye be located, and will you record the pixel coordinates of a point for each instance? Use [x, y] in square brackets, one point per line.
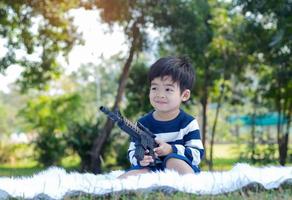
[168, 89]
[153, 88]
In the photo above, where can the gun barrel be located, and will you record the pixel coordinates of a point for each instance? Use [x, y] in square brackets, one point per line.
[113, 116]
[104, 109]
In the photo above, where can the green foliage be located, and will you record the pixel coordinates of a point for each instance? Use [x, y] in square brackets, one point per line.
[274, 26]
[131, 16]
[50, 118]
[263, 154]
[122, 154]
[41, 30]
[137, 91]
[80, 138]
[50, 149]
[114, 153]
[266, 34]
[4, 129]
[15, 154]
[6, 152]
[184, 25]
[97, 84]
[52, 113]
[9, 105]
[268, 29]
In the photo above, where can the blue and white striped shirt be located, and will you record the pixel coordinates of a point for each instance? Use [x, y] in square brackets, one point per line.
[182, 133]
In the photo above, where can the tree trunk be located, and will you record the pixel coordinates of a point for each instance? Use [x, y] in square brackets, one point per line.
[253, 126]
[283, 138]
[283, 104]
[215, 124]
[204, 102]
[95, 165]
[283, 148]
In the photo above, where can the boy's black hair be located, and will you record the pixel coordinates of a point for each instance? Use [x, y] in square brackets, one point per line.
[178, 68]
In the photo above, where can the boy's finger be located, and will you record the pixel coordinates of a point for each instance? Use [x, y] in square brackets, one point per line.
[149, 158]
[146, 158]
[157, 149]
[158, 141]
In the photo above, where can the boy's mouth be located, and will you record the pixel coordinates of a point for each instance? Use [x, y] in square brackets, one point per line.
[160, 102]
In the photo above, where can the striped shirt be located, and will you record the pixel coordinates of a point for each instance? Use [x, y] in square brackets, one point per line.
[182, 133]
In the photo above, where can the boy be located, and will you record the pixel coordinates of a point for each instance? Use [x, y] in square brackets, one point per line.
[177, 133]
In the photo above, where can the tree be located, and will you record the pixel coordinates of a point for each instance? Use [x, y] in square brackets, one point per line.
[225, 57]
[40, 31]
[268, 28]
[130, 15]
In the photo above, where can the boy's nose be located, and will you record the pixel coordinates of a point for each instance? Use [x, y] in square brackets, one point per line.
[160, 95]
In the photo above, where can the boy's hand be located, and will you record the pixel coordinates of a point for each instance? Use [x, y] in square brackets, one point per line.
[146, 160]
[163, 148]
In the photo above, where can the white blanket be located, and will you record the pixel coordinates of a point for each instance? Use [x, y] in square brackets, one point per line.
[56, 183]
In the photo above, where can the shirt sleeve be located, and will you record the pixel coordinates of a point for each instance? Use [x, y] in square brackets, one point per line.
[131, 152]
[192, 148]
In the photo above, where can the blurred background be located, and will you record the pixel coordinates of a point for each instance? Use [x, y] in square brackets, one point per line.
[62, 59]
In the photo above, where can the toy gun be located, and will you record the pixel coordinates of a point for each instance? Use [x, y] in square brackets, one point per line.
[142, 137]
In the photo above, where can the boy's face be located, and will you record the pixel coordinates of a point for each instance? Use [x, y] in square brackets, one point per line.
[165, 95]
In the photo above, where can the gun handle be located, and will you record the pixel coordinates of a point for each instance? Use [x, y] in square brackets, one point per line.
[139, 152]
[151, 153]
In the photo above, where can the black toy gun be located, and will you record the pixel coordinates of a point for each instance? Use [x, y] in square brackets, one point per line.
[143, 138]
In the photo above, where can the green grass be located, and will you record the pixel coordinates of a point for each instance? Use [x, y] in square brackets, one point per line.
[250, 193]
[29, 168]
[18, 171]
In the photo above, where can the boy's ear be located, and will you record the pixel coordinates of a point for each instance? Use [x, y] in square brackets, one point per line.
[186, 95]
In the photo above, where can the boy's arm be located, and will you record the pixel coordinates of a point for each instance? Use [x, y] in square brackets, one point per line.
[193, 148]
[131, 153]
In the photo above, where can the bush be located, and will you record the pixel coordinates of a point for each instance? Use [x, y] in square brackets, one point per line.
[80, 138]
[14, 154]
[50, 149]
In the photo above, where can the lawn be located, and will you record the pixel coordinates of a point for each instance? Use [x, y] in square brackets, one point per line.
[224, 159]
[225, 156]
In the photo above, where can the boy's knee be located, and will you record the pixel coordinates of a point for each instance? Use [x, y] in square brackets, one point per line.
[139, 171]
[134, 172]
[172, 162]
[178, 165]
[144, 170]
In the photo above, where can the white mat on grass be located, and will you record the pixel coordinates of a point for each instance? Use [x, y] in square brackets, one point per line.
[56, 183]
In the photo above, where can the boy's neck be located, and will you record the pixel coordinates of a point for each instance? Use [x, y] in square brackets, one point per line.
[165, 116]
